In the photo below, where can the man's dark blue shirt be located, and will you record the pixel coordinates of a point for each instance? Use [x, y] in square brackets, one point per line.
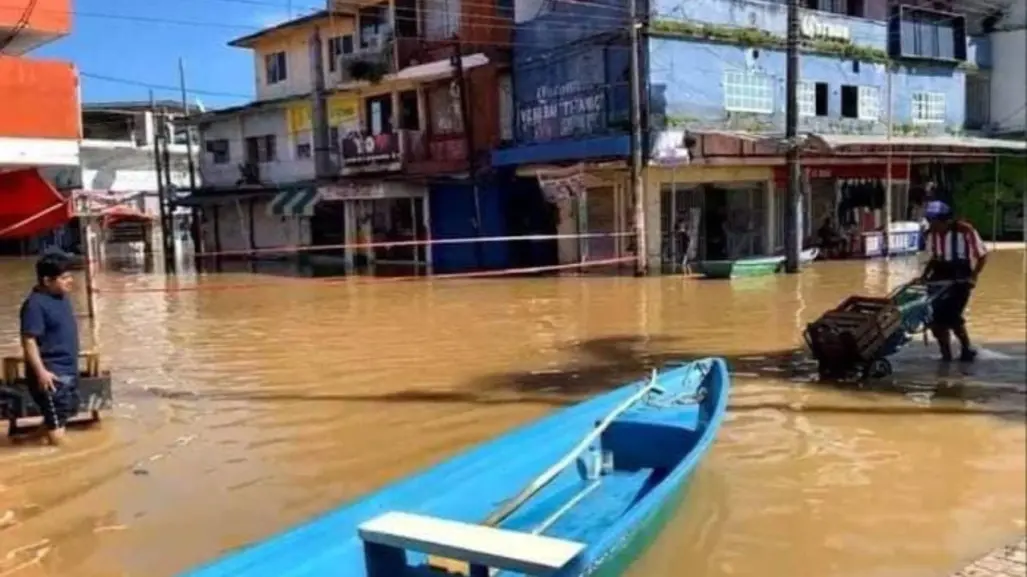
[51, 321]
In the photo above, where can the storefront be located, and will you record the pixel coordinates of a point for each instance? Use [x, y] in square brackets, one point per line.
[594, 215]
[377, 213]
[707, 212]
[849, 198]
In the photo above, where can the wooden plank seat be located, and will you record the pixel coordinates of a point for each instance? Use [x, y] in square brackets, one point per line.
[387, 537]
[14, 366]
[16, 403]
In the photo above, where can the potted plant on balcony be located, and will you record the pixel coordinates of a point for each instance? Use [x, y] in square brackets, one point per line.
[371, 70]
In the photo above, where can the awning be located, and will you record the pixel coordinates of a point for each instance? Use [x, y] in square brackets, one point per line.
[440, 68]
[862, 142]
[121, 213]
[29, 205]
[294, 202]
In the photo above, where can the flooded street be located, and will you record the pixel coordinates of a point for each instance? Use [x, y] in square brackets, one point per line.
[243, 411]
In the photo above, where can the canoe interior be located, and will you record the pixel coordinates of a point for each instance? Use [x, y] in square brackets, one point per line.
[740, 268]
[654, 446]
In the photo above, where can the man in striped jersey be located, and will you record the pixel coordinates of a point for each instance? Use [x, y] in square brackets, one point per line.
[958, 256]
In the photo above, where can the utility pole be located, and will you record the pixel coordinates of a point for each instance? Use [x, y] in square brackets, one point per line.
[194, 228]
[637, 187]
[155, 121]
[467, 120]
[319, 111]
[886, 241]
[793, 231]
[169, 188]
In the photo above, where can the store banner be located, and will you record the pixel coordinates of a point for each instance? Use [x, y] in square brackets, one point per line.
[342, 113]
[364, 148]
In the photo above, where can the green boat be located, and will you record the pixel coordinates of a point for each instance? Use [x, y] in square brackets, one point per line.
[739, 268]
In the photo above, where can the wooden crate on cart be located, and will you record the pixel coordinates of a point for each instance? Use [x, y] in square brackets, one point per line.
[94, 386]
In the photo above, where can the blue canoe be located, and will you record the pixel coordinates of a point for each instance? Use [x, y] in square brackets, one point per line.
[580, 492]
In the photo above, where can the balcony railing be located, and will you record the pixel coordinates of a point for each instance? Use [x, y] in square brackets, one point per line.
[367, 65]
[420, 147]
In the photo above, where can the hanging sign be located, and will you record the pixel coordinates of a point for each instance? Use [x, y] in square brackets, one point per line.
[556, 189]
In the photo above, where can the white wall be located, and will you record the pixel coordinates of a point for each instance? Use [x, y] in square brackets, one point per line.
[26, 152]
[268, 231]
[298, 77]
[1008, 79]
[286, 169]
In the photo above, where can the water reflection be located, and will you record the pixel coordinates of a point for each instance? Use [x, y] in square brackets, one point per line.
[242, 411]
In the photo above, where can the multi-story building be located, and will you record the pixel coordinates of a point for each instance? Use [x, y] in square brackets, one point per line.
[880, 79]
[405, 147]
[997, 92]
[39, 118]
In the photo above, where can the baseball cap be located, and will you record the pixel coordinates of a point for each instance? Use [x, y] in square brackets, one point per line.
[937, 210]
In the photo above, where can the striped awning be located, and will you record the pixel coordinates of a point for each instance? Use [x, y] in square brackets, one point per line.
[294, 202]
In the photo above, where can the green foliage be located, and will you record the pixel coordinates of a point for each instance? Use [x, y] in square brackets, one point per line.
[976, 193]
[759, 38]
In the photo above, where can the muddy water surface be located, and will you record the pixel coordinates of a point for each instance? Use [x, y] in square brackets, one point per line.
[241, 412]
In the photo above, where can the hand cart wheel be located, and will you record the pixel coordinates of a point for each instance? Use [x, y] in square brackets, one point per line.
[878, 369]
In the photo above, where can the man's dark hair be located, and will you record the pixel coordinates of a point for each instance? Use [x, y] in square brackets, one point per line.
[52, 265]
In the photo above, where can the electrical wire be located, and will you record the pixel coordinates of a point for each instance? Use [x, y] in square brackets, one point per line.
[19, 26]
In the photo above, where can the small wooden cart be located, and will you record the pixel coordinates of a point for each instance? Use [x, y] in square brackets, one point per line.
[94, 387]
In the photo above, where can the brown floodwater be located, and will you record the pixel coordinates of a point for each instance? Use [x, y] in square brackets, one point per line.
[243, 411]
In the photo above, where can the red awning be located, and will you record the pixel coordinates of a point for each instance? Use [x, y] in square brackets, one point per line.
[121, 213]
[29, 205]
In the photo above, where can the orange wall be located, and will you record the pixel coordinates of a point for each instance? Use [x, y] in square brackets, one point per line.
[49, 16]
[39, 99]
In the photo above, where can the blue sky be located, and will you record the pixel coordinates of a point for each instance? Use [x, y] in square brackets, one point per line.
[135, 40]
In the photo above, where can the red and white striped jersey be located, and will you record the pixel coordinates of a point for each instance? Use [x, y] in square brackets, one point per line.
[960, 243]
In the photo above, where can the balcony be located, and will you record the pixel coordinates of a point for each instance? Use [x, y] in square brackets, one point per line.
[40, 99]
[368, 65]
[410, 151]
[48, 20]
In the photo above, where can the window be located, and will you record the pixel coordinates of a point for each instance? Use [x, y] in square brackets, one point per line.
[218, 150]
[850, 101]
[807, 99]
[746, 92]
[373, 24]
[869, 98]
[275, 68]
[303, 150]
[813, 99]
[444, 107]
[922, 33]
[261, 149]
[928, 107]
[408, 114]
[378, 112]
[337, 46]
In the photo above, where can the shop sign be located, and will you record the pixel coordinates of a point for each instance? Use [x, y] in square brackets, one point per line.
[365, 148]
[369, 191]
[669, 148]
[563, 110]
[845, 171]
[814, 27]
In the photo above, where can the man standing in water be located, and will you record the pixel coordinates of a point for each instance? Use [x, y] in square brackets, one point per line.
[49, 340]
[958, 256]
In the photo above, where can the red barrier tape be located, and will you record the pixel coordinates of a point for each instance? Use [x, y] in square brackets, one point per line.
[406, 243]
[374, 280]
